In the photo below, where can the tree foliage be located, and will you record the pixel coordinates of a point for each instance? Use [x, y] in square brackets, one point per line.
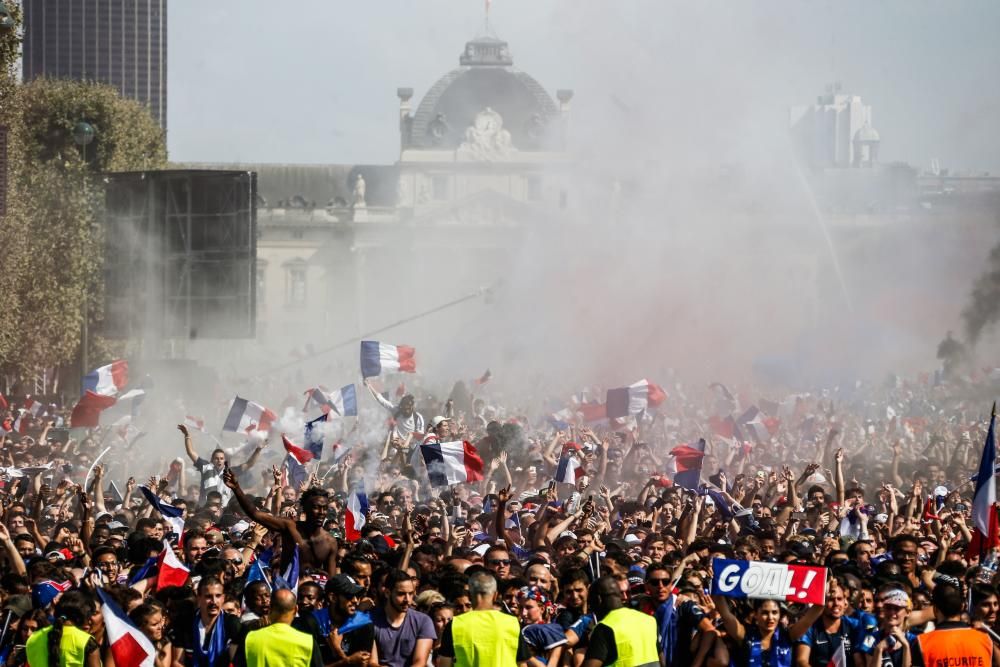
[50, 235]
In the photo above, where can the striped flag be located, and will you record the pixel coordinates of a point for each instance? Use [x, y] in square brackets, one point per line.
[171, 514]
[688, 459]
[569, 469]
[129, 646]
[633, 399]
[246, 416]
[357, 511]
[107, 380]
[303, 456]
[985, 529]
[87, 411]
[451, 462]
[378, 358]
[195, 423]
[172, 571]
[342, 402]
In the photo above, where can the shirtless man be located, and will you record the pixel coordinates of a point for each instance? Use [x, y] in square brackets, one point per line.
[317, 548]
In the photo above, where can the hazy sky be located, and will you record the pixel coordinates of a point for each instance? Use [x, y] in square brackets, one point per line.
[315, 80]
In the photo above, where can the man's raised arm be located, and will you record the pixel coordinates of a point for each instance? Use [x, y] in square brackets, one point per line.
[263, 518]
[188, 447]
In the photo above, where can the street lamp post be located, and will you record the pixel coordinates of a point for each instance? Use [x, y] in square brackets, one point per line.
[6, 20]
[83, 135]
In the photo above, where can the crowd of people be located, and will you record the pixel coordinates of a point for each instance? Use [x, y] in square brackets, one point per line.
[579, 541]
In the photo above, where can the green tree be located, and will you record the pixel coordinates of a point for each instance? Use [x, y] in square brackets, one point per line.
[50, 235]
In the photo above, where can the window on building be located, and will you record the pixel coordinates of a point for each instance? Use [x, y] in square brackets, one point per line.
[534, 188]
[439, 187]
[261, 285]
[295, 283]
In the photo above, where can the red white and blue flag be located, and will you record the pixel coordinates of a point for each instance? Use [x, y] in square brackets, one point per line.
[195, 423]
[569, 469]
[107, 380]
[633, 399]
[801, 584]
[378, 358]
[34, 408]
[485, 377]
[342, 402]
[451, 463]
[172, 571]
[87, 411]
[985, 525]
[357, 510]
[171, 514]
[687, 462]
[129, 646]
[303, 456]
[246, 416]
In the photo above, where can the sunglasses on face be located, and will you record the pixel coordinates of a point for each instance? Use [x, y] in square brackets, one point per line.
[499, 561]
[234, 561]
[658, 583]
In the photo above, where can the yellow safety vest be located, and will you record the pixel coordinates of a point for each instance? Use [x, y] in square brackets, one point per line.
[278, 645]
[485, 639]
[635, 637]
[72, 647]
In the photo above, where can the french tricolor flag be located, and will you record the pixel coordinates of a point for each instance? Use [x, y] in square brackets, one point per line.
[35, 408]
[378, 358]
[129, 646]
[246, 416]
[451, 463]
[303, 456]
[172, 571]
[357, 510]
[633, 399]
[195, 423]
[342, 402]
[986, 528]
[107, 380]
[87, 411]
[568, 470]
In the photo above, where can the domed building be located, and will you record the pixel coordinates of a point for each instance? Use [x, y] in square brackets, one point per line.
[482, 162]
[484, 125]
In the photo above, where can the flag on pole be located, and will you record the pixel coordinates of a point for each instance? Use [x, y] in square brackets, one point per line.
[378, 358]
[246, 416]
[172, 571]
[34, 408]
[485, 377]
[170, 513]
[87, 411]
[296, 472]
[342, 402]
[107, 380]
[986, 528]
[312, 437]
[569, 469]
[129, 646]
[688, 459]
[303, 456]
[839, 658]
[195, 423]
[633, 399]
[357, 510]
[290, 577]
[451, 462]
